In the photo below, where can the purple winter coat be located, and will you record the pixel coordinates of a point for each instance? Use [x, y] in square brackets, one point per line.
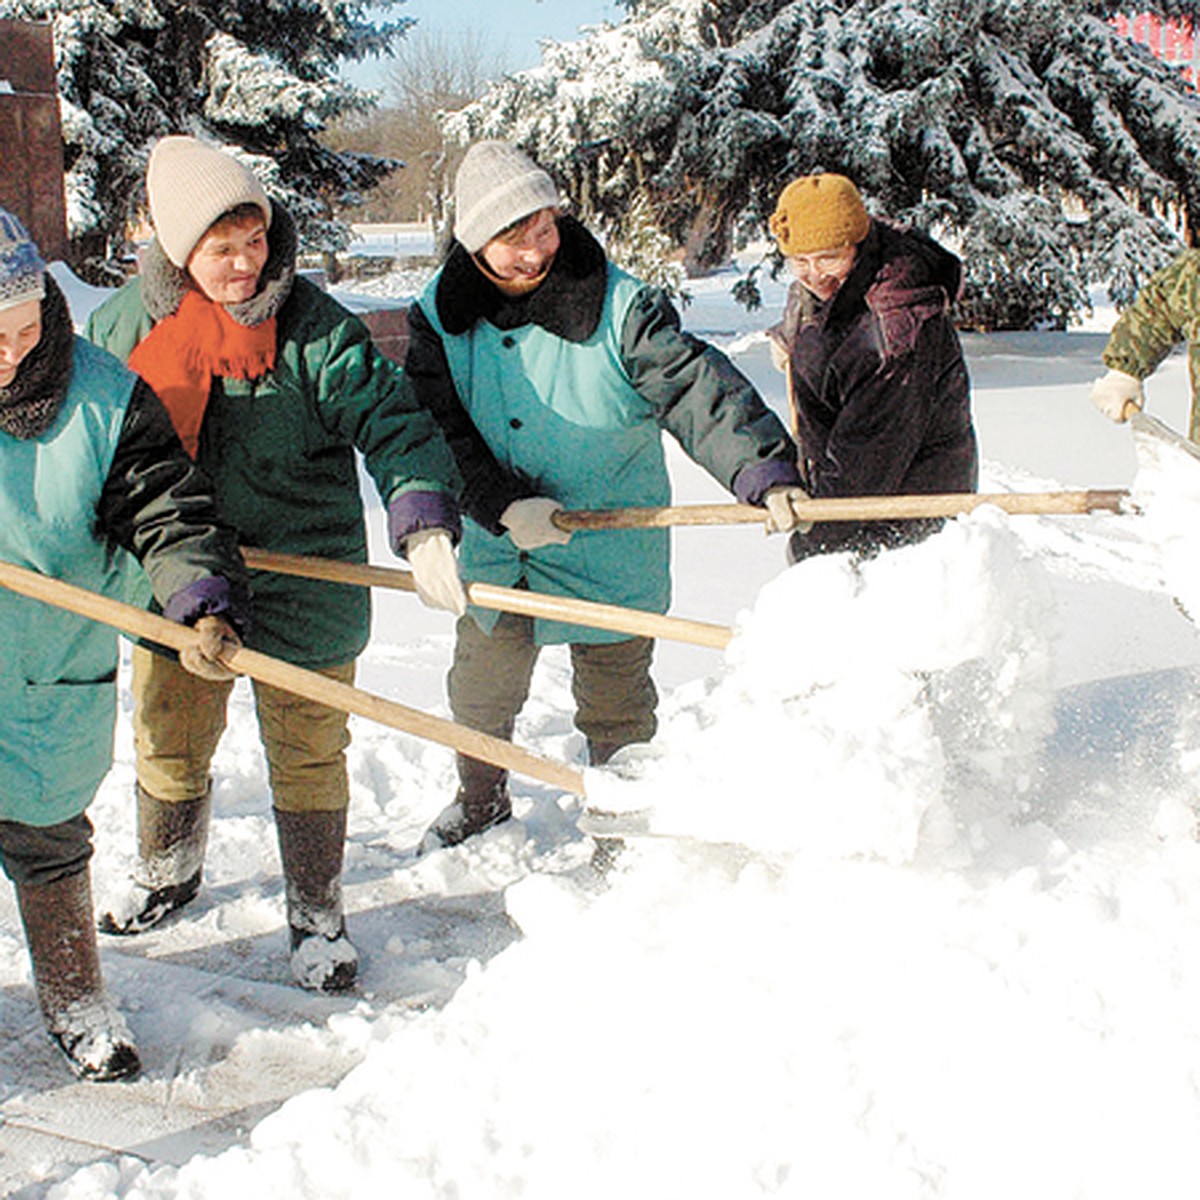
[880, 388]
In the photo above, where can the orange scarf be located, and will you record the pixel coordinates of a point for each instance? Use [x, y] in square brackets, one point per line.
[181, 354]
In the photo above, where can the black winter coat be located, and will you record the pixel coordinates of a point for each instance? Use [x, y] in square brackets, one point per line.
[880, 391]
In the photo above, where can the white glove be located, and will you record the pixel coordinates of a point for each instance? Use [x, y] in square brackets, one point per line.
[1114, 393]
[202, 657]
[430, 553]
[781, 516]
[529, 525]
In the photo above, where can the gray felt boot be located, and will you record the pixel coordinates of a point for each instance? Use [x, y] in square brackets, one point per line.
[171, 843]
[311, 845]
[61, 932]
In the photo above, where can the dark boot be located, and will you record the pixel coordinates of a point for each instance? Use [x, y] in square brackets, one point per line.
[61, 932]
[482, 801]
[311, 845]
[171, 843]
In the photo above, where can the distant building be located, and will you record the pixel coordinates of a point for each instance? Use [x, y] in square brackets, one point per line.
[1174, 40]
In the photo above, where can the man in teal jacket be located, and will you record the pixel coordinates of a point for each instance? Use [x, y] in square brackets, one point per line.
[553, 374]
[273, 386]
[91, 473]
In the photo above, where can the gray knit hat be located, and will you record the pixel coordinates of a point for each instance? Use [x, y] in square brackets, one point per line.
[190, 184]
[22, 272]
[496, 186]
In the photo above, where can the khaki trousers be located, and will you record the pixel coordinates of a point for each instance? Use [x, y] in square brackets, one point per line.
[178, 719]
[489, 682]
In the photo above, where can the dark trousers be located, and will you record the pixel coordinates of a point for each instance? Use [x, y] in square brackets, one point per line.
[488, 684]
[36, 854]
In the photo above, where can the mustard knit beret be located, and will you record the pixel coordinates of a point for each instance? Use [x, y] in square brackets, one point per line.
[189, 185]
[819, 212]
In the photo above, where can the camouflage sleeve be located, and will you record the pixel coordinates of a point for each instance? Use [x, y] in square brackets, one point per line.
[1163, 314]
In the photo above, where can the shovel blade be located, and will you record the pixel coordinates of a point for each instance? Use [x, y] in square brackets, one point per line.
[1156, 444]
[1167, 493]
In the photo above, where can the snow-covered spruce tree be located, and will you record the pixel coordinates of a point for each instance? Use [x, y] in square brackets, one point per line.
[1049, 149]
[258, 76]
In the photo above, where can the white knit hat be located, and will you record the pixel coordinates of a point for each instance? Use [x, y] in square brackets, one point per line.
[22, 272]
[190, 184]
[496, 186]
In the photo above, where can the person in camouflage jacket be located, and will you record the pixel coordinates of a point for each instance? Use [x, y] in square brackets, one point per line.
[1165, 312]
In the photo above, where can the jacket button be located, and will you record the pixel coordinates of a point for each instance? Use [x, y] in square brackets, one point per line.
[508, 343]
[515, 423]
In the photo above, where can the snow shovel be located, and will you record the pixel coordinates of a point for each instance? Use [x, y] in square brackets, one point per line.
[135, 622]
[1151, 437]
[515, 600]
[850, 508]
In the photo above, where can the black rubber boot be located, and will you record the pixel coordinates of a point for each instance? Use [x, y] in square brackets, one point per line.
[312, 845]
[171, 842]
[61, 932]
[482, 801]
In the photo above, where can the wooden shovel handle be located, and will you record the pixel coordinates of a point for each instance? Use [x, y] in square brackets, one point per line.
[515, 600]
[849, 508]
[309, 684]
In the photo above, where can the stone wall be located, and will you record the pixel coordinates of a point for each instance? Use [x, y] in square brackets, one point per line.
[31, 162]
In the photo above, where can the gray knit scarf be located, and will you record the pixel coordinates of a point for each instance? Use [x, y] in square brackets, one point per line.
[30, 403]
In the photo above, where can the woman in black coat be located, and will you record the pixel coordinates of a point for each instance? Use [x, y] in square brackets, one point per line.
[879, 389]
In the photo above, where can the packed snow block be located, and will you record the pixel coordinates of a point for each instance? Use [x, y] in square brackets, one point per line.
[31, 167]
[389, 331]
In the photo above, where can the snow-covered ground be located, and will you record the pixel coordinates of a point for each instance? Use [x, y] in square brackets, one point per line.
[919, 916]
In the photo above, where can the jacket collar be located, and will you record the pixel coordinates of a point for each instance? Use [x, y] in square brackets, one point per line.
[896, 267]
[568, 304]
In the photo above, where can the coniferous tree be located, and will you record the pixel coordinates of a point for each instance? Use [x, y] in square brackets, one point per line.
[1047, 148]
[258, 77]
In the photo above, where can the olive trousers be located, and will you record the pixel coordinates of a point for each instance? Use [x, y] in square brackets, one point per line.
[178, 719]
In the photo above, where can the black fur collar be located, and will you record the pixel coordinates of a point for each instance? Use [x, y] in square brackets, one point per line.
[164, 285]
[569, 303]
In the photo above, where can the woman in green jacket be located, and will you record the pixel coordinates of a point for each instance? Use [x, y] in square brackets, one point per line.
[273, 386]
[91, 473]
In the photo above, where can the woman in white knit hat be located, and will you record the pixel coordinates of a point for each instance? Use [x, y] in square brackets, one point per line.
[88, 458]
[554, 374]
[273, 386]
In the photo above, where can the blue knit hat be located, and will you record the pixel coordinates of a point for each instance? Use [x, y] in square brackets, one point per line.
[22, 272]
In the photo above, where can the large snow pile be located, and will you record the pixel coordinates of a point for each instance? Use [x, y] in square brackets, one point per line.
[862, 698]
[895, 949]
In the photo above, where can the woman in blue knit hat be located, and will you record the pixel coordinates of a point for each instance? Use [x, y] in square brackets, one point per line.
[92, 478]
